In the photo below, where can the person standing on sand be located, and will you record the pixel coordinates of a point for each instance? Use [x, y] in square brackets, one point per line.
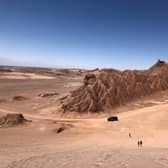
[140, 143]
[130, 136]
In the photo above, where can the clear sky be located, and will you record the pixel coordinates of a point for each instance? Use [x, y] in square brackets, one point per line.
[83, 33]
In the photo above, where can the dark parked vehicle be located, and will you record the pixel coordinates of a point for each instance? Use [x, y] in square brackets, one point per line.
[112, 118]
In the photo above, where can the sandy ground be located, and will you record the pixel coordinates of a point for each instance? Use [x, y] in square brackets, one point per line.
[89, 143]
[20, 75]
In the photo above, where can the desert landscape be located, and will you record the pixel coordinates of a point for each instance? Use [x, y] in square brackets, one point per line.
[57, 118]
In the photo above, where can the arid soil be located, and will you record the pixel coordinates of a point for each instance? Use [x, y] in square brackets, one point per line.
[87, 140]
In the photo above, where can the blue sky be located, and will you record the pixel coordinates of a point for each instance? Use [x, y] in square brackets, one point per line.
[83, 33]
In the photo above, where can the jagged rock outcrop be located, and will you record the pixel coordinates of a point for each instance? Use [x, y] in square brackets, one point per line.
[10, 120]
[110, 88]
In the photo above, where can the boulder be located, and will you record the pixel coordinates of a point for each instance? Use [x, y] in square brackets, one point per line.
[12, 120]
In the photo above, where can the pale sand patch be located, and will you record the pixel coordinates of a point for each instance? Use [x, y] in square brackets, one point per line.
[20, 75]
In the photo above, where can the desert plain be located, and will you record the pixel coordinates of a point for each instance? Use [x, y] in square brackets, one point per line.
[86, 140]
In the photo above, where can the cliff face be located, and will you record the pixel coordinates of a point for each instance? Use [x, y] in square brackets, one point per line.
[110, 88]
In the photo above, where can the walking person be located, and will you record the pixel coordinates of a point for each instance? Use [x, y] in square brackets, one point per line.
[141, 143]
[138, 143]
[130, 136]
